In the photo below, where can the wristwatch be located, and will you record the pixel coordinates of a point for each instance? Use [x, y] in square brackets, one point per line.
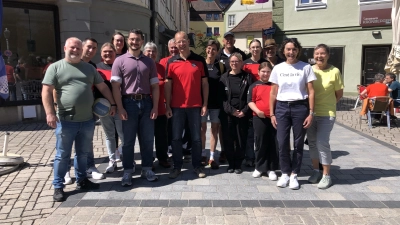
[312, 113]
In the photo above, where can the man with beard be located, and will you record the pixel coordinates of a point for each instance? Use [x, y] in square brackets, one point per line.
[135, 87]
[73, 80]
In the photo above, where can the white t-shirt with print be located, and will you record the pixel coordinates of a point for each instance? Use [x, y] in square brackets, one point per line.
[292, 80]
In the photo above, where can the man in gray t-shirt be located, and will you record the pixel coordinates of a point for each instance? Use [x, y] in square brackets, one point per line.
[72, 79]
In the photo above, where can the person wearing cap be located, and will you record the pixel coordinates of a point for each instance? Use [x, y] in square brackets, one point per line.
[229, 49]
[270, 55]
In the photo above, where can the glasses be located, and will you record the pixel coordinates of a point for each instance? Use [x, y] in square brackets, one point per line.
[256, 47]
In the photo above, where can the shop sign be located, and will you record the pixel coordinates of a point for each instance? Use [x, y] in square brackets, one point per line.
[376, 17]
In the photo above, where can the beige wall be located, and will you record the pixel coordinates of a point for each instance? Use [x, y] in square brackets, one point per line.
[339, 13]
[241, 40]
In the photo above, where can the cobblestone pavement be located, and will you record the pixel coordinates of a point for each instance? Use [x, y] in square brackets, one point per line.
[365, 191]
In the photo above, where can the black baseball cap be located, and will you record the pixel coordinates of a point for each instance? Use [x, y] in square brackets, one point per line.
[229, 33]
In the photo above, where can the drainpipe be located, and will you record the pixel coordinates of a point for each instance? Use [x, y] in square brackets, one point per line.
[153, 20]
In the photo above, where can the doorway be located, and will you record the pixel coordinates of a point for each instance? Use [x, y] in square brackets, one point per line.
[374, 61]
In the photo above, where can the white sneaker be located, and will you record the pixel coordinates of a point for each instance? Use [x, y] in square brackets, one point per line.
[256, 174]
[94, 173]
[118, 154]
[283, 181]
[67, 179]
[272, 175]
[294, 184]
[112, 165]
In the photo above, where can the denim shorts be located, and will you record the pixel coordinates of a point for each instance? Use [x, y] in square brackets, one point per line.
[213, 113]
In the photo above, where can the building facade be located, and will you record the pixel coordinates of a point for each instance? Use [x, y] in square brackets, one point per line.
[359, 33]
[206, 22]
[38, 29]
[247, 21]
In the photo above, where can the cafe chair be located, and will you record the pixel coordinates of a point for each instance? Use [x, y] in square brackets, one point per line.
[360, 88]
[378, 105]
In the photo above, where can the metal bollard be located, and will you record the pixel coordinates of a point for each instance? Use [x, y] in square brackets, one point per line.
[5, 146]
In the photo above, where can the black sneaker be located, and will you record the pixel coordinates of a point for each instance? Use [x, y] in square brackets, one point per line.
[86, 184]
[58, 195]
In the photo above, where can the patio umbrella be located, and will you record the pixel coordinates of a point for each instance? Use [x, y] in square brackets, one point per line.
[393, 62]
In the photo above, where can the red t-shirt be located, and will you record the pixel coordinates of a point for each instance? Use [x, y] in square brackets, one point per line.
[251, 67]
[259, 94]
[377, 89]
[161, 100]
[186, 76]
[164, 61]
[10, 74]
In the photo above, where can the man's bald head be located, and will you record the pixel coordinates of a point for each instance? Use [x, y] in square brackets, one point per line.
[73, 50]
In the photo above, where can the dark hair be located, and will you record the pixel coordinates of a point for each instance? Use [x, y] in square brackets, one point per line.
[213, 42]
[392, 75]
[89, 39]
[265, 64]
[125, 48]
[296, 44]
[138, 32]
[324, 46]
[255, 40]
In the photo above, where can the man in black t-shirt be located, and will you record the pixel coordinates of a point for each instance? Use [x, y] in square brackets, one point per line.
[229, 48]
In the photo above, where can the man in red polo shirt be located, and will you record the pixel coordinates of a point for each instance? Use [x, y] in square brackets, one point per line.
[186, 95]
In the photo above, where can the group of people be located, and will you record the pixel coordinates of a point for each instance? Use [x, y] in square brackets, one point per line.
[383, 86]
[252, 104]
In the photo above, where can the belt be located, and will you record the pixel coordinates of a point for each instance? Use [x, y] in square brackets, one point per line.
[136, 96]
[295, 102]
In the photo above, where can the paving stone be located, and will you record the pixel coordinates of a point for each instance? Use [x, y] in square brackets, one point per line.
[192, 195]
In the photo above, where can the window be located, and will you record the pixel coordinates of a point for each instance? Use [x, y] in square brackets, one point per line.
[216, 31]
[216, 16]
[33, 46]
[209, 32]
[231, 20]
[336, 56]
[208, 16]
[310, 4]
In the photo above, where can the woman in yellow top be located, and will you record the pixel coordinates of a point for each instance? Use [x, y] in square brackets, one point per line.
[328, 90]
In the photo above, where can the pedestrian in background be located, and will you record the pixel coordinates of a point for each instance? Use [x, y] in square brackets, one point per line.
[291, 107]
[328, 90]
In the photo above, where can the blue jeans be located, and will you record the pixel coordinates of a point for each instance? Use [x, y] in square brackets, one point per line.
[67, 133]
[138, 123]
[193, 116]
[291, 116]
[110, 124]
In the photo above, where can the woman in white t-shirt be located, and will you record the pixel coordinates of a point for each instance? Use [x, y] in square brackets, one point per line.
[291, 107]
